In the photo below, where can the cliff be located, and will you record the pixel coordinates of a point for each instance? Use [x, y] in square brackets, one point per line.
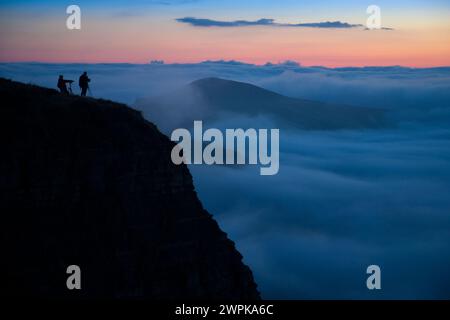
[90, 183]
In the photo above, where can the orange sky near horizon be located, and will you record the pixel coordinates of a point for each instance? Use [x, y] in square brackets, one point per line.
[425, 43]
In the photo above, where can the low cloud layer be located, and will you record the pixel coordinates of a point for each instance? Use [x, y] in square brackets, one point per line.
[342, 200]
[201, 22]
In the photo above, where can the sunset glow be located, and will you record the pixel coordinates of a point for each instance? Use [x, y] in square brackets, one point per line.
[421, 35]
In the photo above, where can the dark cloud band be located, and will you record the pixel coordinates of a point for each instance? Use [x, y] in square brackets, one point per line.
[199, 22]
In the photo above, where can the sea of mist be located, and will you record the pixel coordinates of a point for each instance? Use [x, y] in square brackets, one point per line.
[342, 200]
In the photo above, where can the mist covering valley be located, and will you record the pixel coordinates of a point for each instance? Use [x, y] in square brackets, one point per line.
[373, 190]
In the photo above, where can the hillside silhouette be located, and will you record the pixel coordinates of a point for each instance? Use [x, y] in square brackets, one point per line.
[217, 99]
[89, 182]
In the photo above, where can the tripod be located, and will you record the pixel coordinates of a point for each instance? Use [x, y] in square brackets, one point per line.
[70, 88]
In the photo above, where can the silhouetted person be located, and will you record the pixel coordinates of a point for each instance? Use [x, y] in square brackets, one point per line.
[62, 84]
[84, 83]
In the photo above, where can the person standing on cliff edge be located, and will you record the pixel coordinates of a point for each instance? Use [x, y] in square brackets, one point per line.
[83, 82]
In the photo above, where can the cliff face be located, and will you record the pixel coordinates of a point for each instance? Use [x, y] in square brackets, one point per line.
[90, 183]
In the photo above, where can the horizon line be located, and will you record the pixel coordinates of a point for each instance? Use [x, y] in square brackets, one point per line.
[292, 63]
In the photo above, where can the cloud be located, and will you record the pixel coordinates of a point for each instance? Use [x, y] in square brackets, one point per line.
[341, 201]
[201, 22]
[327, 24]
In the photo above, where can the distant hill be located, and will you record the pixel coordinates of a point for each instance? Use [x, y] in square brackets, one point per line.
[215, 99]
[90, 182]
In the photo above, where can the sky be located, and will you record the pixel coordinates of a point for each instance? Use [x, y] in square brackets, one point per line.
[416, 34]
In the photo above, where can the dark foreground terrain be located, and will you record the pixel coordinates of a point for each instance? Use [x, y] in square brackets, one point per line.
[90, 183]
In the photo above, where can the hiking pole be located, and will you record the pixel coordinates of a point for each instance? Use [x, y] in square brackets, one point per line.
[90, 92]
